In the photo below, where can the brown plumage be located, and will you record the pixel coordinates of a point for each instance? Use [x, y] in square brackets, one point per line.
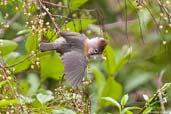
[75, 48]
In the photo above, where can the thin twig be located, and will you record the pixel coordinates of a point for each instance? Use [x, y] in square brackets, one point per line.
[6, 78]
[20, 38]
[126, 23]
[11, 22]
[19, 61]
[50, 15]
[163, 89]
[164, 8]
[139, 21]
[155, 21]
[53, 4]
[159, 84]
[118, 24]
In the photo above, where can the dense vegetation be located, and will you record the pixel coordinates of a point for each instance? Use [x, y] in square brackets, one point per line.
[134, 77]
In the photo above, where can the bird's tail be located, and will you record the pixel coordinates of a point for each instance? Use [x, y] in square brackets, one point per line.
[48, 46]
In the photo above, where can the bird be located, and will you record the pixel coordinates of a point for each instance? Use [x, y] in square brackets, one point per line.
[75, 49]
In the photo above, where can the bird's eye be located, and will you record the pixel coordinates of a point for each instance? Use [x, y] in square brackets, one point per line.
[96, 51]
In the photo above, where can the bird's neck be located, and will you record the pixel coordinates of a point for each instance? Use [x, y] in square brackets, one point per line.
[86, 47]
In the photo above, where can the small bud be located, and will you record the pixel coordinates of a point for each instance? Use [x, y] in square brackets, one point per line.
[161, 26]
[8, 72]
[13, 69]
[88, 32]
[32, 66]
[6, 97]
[161, 14]
[27, 22]
[12, 111]
[166, 31]
[29, 14]
[47, 23]
[39, 39]
[165, 18]
[16, 8]
[164, 42]
[37, 63]
[74, 15]
[1, 43]
[33, 27]
[169, 24]
[140, 7]
[9, 78]
[6, 26]
[37, 58]
[44, 29]
[6, 15]
[167, 2]
[68, 29]
[31, 22]
[33, 52]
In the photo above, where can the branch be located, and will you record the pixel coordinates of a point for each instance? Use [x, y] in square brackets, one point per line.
[119, 24]
[164, 8]
[20, 38]
[159, 84]
[11, 22]
[28, 57]
[4, 71]
[57, 5]
[162, 90]
[50, 15]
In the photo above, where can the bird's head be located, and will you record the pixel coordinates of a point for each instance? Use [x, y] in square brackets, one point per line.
[96, 46]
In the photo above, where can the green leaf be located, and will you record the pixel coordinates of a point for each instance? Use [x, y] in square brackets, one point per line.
[50, 35]
[63, 111]
[146, 98]
[36, 104]
[24, 86]
[138, 78]
[112, 101]
[31, 43]
[34, 82]
[124, 100]
[128, 112]
[124, 60]
[110, 60]
[2, 83]
[25, 31]
[51, 66]
[76, 26]
[100, 80]
[45, 97]
[112, 89]
[20, 64]
[7, 46]
[147, 110]
[94, 102]
[131, 108]
[77, 3]
[8, 102]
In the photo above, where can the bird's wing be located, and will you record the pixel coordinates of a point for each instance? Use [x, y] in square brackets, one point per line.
[76, 40]
[75, 64]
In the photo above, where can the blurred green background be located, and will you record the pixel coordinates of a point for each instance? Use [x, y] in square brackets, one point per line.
[137, 60]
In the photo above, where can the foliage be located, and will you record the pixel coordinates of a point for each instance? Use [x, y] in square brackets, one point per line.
[135, 69]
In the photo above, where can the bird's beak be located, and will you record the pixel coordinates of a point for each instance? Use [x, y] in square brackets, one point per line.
[100, 56]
